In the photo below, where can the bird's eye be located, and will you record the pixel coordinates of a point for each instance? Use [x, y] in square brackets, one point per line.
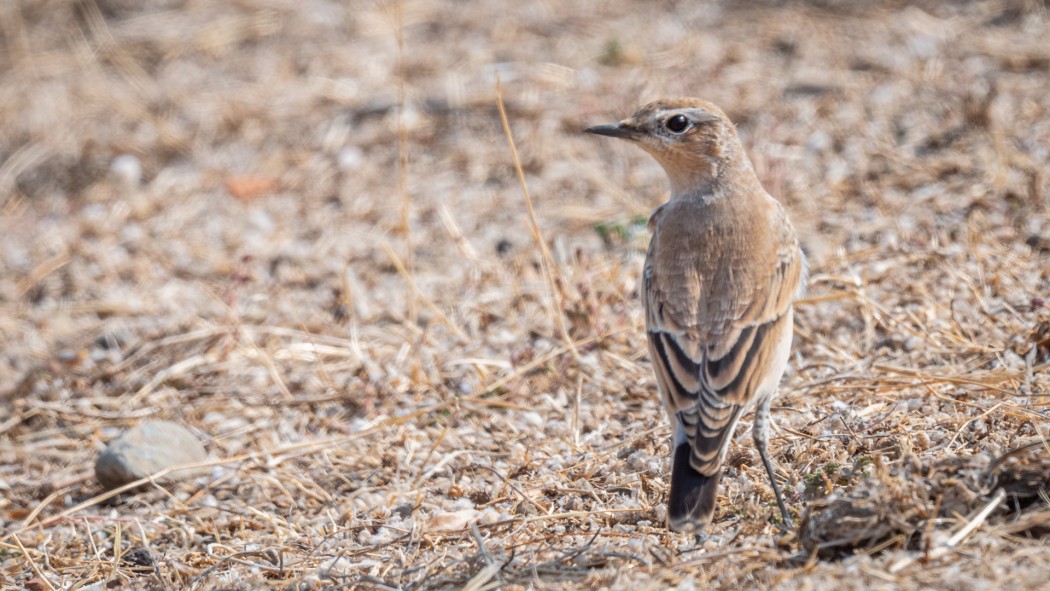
[677, 124]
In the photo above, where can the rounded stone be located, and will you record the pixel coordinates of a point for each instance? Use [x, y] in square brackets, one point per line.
[148, 449]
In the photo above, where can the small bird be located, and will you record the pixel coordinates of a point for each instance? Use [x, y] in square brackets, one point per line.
[723, 268]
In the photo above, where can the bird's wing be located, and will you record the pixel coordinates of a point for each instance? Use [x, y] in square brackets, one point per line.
[717, 290]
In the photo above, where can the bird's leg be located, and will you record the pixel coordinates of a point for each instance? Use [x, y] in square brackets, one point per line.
[760, 429]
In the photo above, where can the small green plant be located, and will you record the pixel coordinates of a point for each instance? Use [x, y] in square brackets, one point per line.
[620, 231]
[862, 466]
[819, 479]
[612, 55]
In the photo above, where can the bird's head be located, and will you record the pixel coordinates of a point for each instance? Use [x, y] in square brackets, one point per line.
[692, 139]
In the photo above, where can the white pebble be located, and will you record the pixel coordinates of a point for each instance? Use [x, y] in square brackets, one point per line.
[350, 158]
[127, 170]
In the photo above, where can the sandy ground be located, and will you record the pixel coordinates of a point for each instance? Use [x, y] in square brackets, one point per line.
[296, 228]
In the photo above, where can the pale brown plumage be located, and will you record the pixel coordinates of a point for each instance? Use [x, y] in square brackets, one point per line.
[722, 270]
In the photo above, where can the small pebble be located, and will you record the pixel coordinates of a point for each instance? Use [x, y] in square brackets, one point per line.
[350, 158]
[454, 520]
[140, 557]
[127, 170]
[148, 449]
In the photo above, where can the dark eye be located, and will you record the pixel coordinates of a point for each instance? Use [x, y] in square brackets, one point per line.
[677, 124]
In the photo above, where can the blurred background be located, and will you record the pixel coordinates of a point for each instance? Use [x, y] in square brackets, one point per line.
[276, 221]
[157, 145]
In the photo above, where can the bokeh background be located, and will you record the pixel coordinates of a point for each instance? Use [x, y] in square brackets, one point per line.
[297, 229]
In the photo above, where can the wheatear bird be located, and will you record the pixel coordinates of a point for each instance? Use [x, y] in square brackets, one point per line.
[722, 270]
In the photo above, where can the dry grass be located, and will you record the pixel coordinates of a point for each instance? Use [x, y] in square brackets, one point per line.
[402, 391]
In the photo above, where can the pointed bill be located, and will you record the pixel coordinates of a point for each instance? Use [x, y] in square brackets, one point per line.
[613, 130]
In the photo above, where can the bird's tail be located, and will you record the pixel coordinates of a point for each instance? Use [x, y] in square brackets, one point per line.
[691, 502]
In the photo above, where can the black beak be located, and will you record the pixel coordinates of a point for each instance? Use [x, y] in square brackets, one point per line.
[613, 130]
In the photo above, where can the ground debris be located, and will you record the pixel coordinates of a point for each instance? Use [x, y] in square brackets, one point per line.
[296, 229]
[892, 508]
[874, 511]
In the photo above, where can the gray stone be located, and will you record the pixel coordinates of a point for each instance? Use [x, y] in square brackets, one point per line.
[148, 449]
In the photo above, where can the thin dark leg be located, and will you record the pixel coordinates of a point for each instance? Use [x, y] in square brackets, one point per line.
[761, 434]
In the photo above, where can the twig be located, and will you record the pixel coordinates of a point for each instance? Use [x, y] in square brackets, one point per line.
[269, 553]
[168, 373]
[32, 563]
[478, 581]
[437, 443]
[945, 547]
[481, 543]
[524, 369]
[517, 490]
[461, 241]
[1013, 452]
[967, 423]
[41, 271]
[402, 156]
[570, 554]
[708, 557]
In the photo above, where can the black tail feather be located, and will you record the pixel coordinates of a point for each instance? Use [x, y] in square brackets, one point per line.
[691, 502]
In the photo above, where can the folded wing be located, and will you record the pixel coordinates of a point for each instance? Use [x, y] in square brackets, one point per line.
[713, 337]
